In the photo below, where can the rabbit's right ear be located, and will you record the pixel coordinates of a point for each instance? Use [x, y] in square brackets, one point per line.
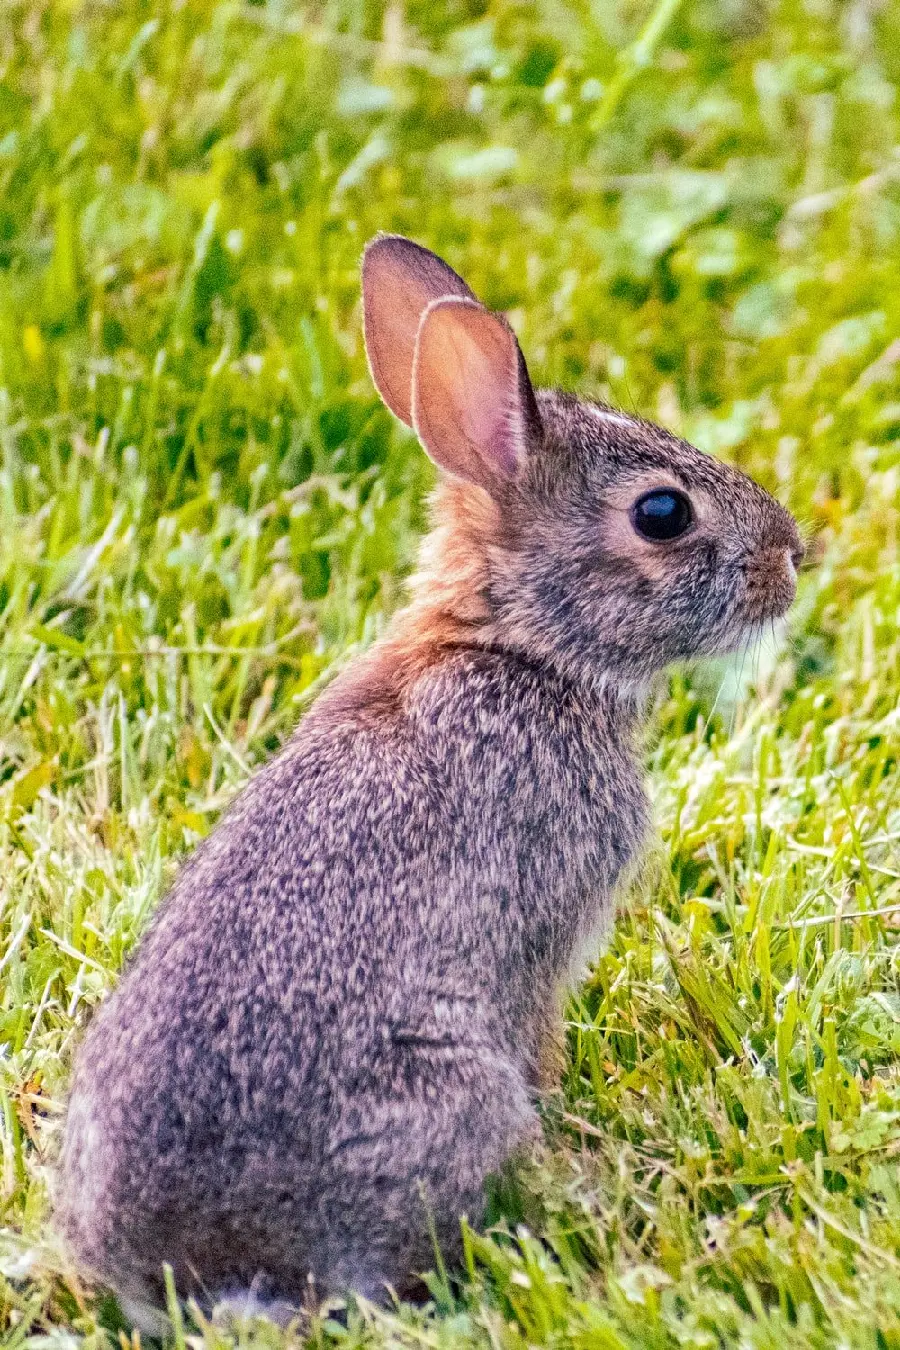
[400, 280]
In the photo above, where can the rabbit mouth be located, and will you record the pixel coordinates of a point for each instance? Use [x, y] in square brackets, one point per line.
[768, 593]
[765, 606]
[755, 623]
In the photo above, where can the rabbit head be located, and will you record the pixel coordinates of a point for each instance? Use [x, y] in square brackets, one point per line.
[565, 529]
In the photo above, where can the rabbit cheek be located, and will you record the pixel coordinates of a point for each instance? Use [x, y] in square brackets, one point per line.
[623, 549]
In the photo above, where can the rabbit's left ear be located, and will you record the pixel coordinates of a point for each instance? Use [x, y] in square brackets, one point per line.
[400, 280]
[473, 406]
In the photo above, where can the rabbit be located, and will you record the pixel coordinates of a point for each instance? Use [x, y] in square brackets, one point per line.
[337, 1026]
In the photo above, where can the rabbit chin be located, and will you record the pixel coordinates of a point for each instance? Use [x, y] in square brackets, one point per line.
[743, 637]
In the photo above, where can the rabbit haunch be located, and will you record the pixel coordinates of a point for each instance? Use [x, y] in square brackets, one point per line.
[335, 1027]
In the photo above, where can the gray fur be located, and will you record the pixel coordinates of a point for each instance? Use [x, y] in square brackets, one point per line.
[334, 1025]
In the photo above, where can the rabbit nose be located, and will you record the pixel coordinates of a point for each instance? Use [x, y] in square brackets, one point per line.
[797, 554]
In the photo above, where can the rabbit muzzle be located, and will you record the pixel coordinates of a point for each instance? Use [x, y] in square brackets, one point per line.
[771, 581]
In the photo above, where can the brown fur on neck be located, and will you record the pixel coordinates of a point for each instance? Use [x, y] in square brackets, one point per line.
[449, 604]
[449, 591]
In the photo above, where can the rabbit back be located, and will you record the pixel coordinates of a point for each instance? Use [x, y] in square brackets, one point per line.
[342, 999]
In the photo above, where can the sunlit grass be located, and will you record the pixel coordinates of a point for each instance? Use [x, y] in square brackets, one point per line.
[692, 210]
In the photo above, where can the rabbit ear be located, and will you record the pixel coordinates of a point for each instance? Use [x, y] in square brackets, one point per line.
[474, 409]
[400, 279]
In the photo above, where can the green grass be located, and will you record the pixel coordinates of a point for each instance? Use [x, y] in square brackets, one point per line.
[692, 210]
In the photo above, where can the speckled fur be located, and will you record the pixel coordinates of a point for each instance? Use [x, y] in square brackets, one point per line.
[339, 1013]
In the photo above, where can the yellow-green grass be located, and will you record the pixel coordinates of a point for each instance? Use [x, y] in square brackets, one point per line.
[692, 210]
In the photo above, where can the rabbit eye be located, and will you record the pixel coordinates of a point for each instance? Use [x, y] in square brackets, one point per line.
[662, 514]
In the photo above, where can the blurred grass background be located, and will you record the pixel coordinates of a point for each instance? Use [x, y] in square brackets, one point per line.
[691, 209]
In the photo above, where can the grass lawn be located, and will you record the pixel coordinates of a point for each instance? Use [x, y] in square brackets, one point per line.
[691, 210]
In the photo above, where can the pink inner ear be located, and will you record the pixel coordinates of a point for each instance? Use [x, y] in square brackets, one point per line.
[400, 279]
[392, 322]
[469, 383]
[491, 414]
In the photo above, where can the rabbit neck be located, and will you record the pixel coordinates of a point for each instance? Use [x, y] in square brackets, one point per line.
[450, 588]
[465, 562]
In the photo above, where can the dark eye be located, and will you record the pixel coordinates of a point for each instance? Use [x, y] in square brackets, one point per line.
[662, 514]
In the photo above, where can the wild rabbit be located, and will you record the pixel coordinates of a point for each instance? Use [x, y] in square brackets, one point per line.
[332, 1032]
